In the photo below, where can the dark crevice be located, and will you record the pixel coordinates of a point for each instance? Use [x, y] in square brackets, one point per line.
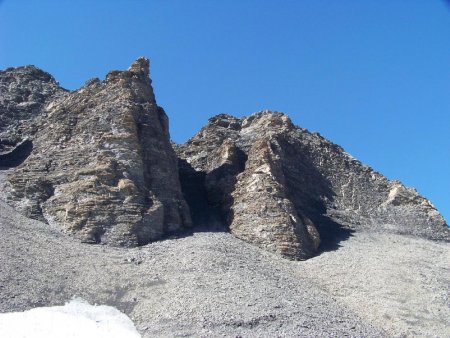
[194, 192]
[17, 155]
[220, 184]
[209, 194]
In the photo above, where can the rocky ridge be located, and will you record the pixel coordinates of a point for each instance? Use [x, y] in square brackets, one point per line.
[101, 164]
[283, 188]
[24, 92]
[98, 163]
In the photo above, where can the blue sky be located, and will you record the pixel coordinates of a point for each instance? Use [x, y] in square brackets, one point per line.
[372, 76]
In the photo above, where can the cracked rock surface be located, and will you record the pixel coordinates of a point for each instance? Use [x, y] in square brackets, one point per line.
[98, 162]
[101, 164]
[285, 189]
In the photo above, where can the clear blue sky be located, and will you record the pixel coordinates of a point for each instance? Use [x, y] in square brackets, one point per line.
[372, 75]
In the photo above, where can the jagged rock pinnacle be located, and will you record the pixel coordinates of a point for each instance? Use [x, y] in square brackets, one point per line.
[140, 66]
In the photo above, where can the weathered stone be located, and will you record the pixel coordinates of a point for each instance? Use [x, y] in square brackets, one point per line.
[102, 165]
[98, 162]
[23, 93]
[288, 185]
[262, 212]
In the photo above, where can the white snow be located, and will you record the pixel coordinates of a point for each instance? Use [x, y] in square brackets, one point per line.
[75, 319]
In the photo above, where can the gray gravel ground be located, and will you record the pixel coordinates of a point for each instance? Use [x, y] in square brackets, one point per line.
[399, 284]
[210, 284]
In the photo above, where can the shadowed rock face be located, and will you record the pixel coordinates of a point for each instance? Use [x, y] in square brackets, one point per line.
[102, 166]
[282, 188]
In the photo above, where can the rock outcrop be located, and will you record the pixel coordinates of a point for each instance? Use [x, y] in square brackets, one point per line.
[101, 164]
[23, 93]
[282, 188]
[98, 162]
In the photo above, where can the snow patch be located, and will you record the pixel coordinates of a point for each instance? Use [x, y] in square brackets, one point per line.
[75, 319]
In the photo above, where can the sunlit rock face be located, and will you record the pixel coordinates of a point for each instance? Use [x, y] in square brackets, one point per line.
[101, 164]
[98, 163]
[24, 92]
[283, 188]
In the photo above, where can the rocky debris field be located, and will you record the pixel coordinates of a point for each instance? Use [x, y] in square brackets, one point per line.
[205, 284]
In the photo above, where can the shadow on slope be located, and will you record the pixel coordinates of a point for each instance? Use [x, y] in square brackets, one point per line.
[331, 233]
[312, 193]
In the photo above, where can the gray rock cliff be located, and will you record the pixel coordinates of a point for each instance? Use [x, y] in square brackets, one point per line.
[283, 188]
[23, 94]
[101, 164]
[98, 162]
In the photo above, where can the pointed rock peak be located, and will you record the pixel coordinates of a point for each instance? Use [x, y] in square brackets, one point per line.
[267, 119]
[225, 121]
[270, 115]
[140, 66]
[30, 71]
[221, 117]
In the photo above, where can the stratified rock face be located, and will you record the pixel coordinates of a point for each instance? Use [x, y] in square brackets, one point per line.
[23, 93]
[98, 162]
[279, 186]
[262, 212]
[102, 165]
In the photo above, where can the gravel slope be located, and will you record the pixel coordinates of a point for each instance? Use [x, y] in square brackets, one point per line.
[395, 282]
[212, 284]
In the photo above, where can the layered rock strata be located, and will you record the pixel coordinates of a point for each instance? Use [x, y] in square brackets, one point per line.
[98, 162]
[101, 164]
[282, 188]
[23, 93]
